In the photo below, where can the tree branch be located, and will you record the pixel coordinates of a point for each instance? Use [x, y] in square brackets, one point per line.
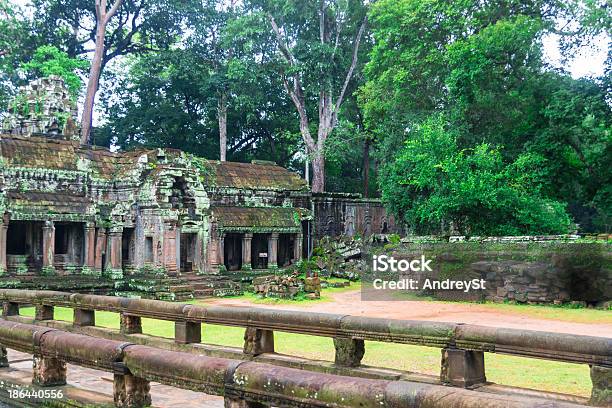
[350, 71]
[113, 10]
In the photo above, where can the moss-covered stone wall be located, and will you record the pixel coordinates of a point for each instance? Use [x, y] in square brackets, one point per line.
[525, 272]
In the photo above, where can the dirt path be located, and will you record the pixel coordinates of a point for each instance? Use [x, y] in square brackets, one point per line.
[350, 303]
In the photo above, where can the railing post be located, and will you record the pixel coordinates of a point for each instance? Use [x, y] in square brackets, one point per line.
[349, 352]
[187, 332]
[130, 391]
[44, 312]
[130, 324]
[3, 357]
[48, 371]
[258, 341]
[84, 317]
[462, 368]
[233, 402]
[601, 394]
[10, 309]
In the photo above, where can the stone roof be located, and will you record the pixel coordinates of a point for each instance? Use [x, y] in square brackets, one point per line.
[254, 176]
[257, 219]
[53, 154]
[42, 202]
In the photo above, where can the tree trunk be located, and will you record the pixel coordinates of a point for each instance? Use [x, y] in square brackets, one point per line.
[366, 167]
[222, 116]
[318, 172]
[92, 84]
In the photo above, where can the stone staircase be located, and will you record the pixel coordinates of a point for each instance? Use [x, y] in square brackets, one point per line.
[211, 285]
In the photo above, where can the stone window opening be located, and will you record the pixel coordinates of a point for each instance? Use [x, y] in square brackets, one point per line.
[148, 250]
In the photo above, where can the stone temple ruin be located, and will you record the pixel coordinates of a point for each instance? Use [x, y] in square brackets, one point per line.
[43, 107]
[154, 222]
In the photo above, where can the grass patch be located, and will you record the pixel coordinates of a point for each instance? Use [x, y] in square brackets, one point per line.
[508, 370]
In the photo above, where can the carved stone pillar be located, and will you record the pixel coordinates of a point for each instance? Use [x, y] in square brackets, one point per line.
[48, 371]
[89, 248]
[130, 391]
[48, 248]
[462, 368]
[297, 247]
[349, 352]
[100, 250]
[273, 251]
[114, 253]
[258, 341]
[3, 241]
[222, 251]
[246, 251]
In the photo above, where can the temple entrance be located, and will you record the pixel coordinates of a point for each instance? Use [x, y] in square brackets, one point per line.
[188, 242]
[24, 246]
[259, 251]
[233, 252]
[127, 248]
[285, 249]
[69, 241]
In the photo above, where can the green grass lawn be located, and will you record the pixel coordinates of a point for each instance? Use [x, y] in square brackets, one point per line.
[508, 370]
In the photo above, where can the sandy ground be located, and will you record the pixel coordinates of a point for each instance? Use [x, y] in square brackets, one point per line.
[350, 302]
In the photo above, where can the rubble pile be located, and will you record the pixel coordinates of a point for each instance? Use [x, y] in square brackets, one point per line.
[287, 286]
[340, 257]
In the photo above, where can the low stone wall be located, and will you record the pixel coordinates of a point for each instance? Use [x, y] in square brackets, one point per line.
[522, 269]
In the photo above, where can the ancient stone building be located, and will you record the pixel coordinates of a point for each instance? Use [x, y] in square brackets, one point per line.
[153, 221]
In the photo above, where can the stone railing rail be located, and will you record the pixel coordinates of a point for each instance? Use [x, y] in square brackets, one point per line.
[462, 345]
[243, 384]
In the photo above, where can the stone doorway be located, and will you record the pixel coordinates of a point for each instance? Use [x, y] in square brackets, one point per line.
[259, 251]
[24, 244]
[69, 243]
[188, 242]
[285, 249]
[232, 254]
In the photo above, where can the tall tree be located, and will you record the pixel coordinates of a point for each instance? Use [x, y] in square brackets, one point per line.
[481, 74]
[318, 44]
[130, 27]
[103, 16]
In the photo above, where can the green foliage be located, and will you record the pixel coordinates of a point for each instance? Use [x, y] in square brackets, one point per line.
[433, 181]
[509, 139]
[48, 60]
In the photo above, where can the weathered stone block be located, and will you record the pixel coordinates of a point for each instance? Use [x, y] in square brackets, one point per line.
[130, 324]
[258, 341]
[187, 332]
[349, 352]
[601, 394]
[83, 317]
[462, 368]
[131, 392]
[48, 371]
[44, 312]
[10, 309]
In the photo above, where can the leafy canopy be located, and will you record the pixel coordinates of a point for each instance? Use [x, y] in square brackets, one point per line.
[48, 60]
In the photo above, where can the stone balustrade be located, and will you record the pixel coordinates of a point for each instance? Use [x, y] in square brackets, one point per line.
[463, 346]
[243, 384]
